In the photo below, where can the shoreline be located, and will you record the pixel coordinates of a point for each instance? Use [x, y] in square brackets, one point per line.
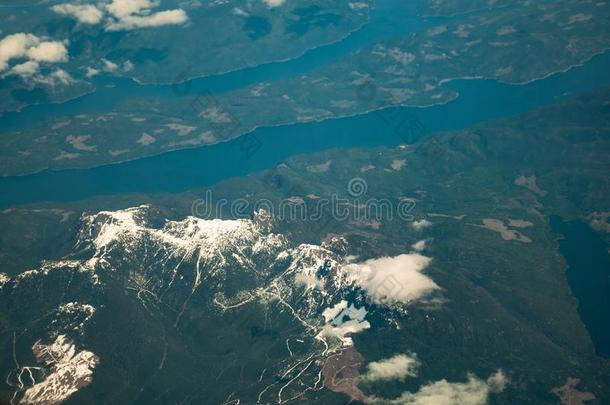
[218, 73]
[315, 120]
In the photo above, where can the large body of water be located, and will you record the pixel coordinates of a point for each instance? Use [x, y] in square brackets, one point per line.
[588, 274]
[388, 19]
[479, 100]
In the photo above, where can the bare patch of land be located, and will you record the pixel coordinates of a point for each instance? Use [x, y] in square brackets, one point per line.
[570, 395]
[341, 373]
[498, 226]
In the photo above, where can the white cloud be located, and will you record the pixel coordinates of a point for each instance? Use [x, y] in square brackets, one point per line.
[15, 46]
[240, 12]
[309, 280]
[419, 225]
[109, 66]
[30, 70]
[25, 70]
[472, 392]
[420, 245]
[61, 76]
[119, 15]
[83, 13]
[124, 8]
[28, 46]
[343, 330]
[92, 72]
[48, 51]
[168, 17]
[31, 51]
[391, 280]
[132, 14]
[398, 367]
[274, 3]
[57, 77]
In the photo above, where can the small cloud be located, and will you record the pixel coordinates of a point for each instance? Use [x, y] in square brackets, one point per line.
[132, 14]
[309, 281]
[240, 12]
[83, 13]
[168, 17]
[398, 367]
[498, 381]
[59, 76]
[28, 46]
[274, 3]
[391, 280]
[109, 66]
[421, 224]
[124, 8]
[472, 392]
[32, 52]
[29, 70]
[92, 72]
[122, 15]
[420, 245]
[25, 70]
[48, 51]
[15, 46]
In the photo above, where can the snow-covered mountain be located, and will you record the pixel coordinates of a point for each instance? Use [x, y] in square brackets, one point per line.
[173, 271]
[172, 264]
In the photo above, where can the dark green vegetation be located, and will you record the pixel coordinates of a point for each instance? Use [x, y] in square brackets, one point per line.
[505, 303]
[217, 37]
[516, 44]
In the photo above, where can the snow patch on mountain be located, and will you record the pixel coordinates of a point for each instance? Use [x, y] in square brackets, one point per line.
[169, 263]
[238, 261]
[72, 317]
[69, 370]
[342, 320]
[4, 278]
[213, 243]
